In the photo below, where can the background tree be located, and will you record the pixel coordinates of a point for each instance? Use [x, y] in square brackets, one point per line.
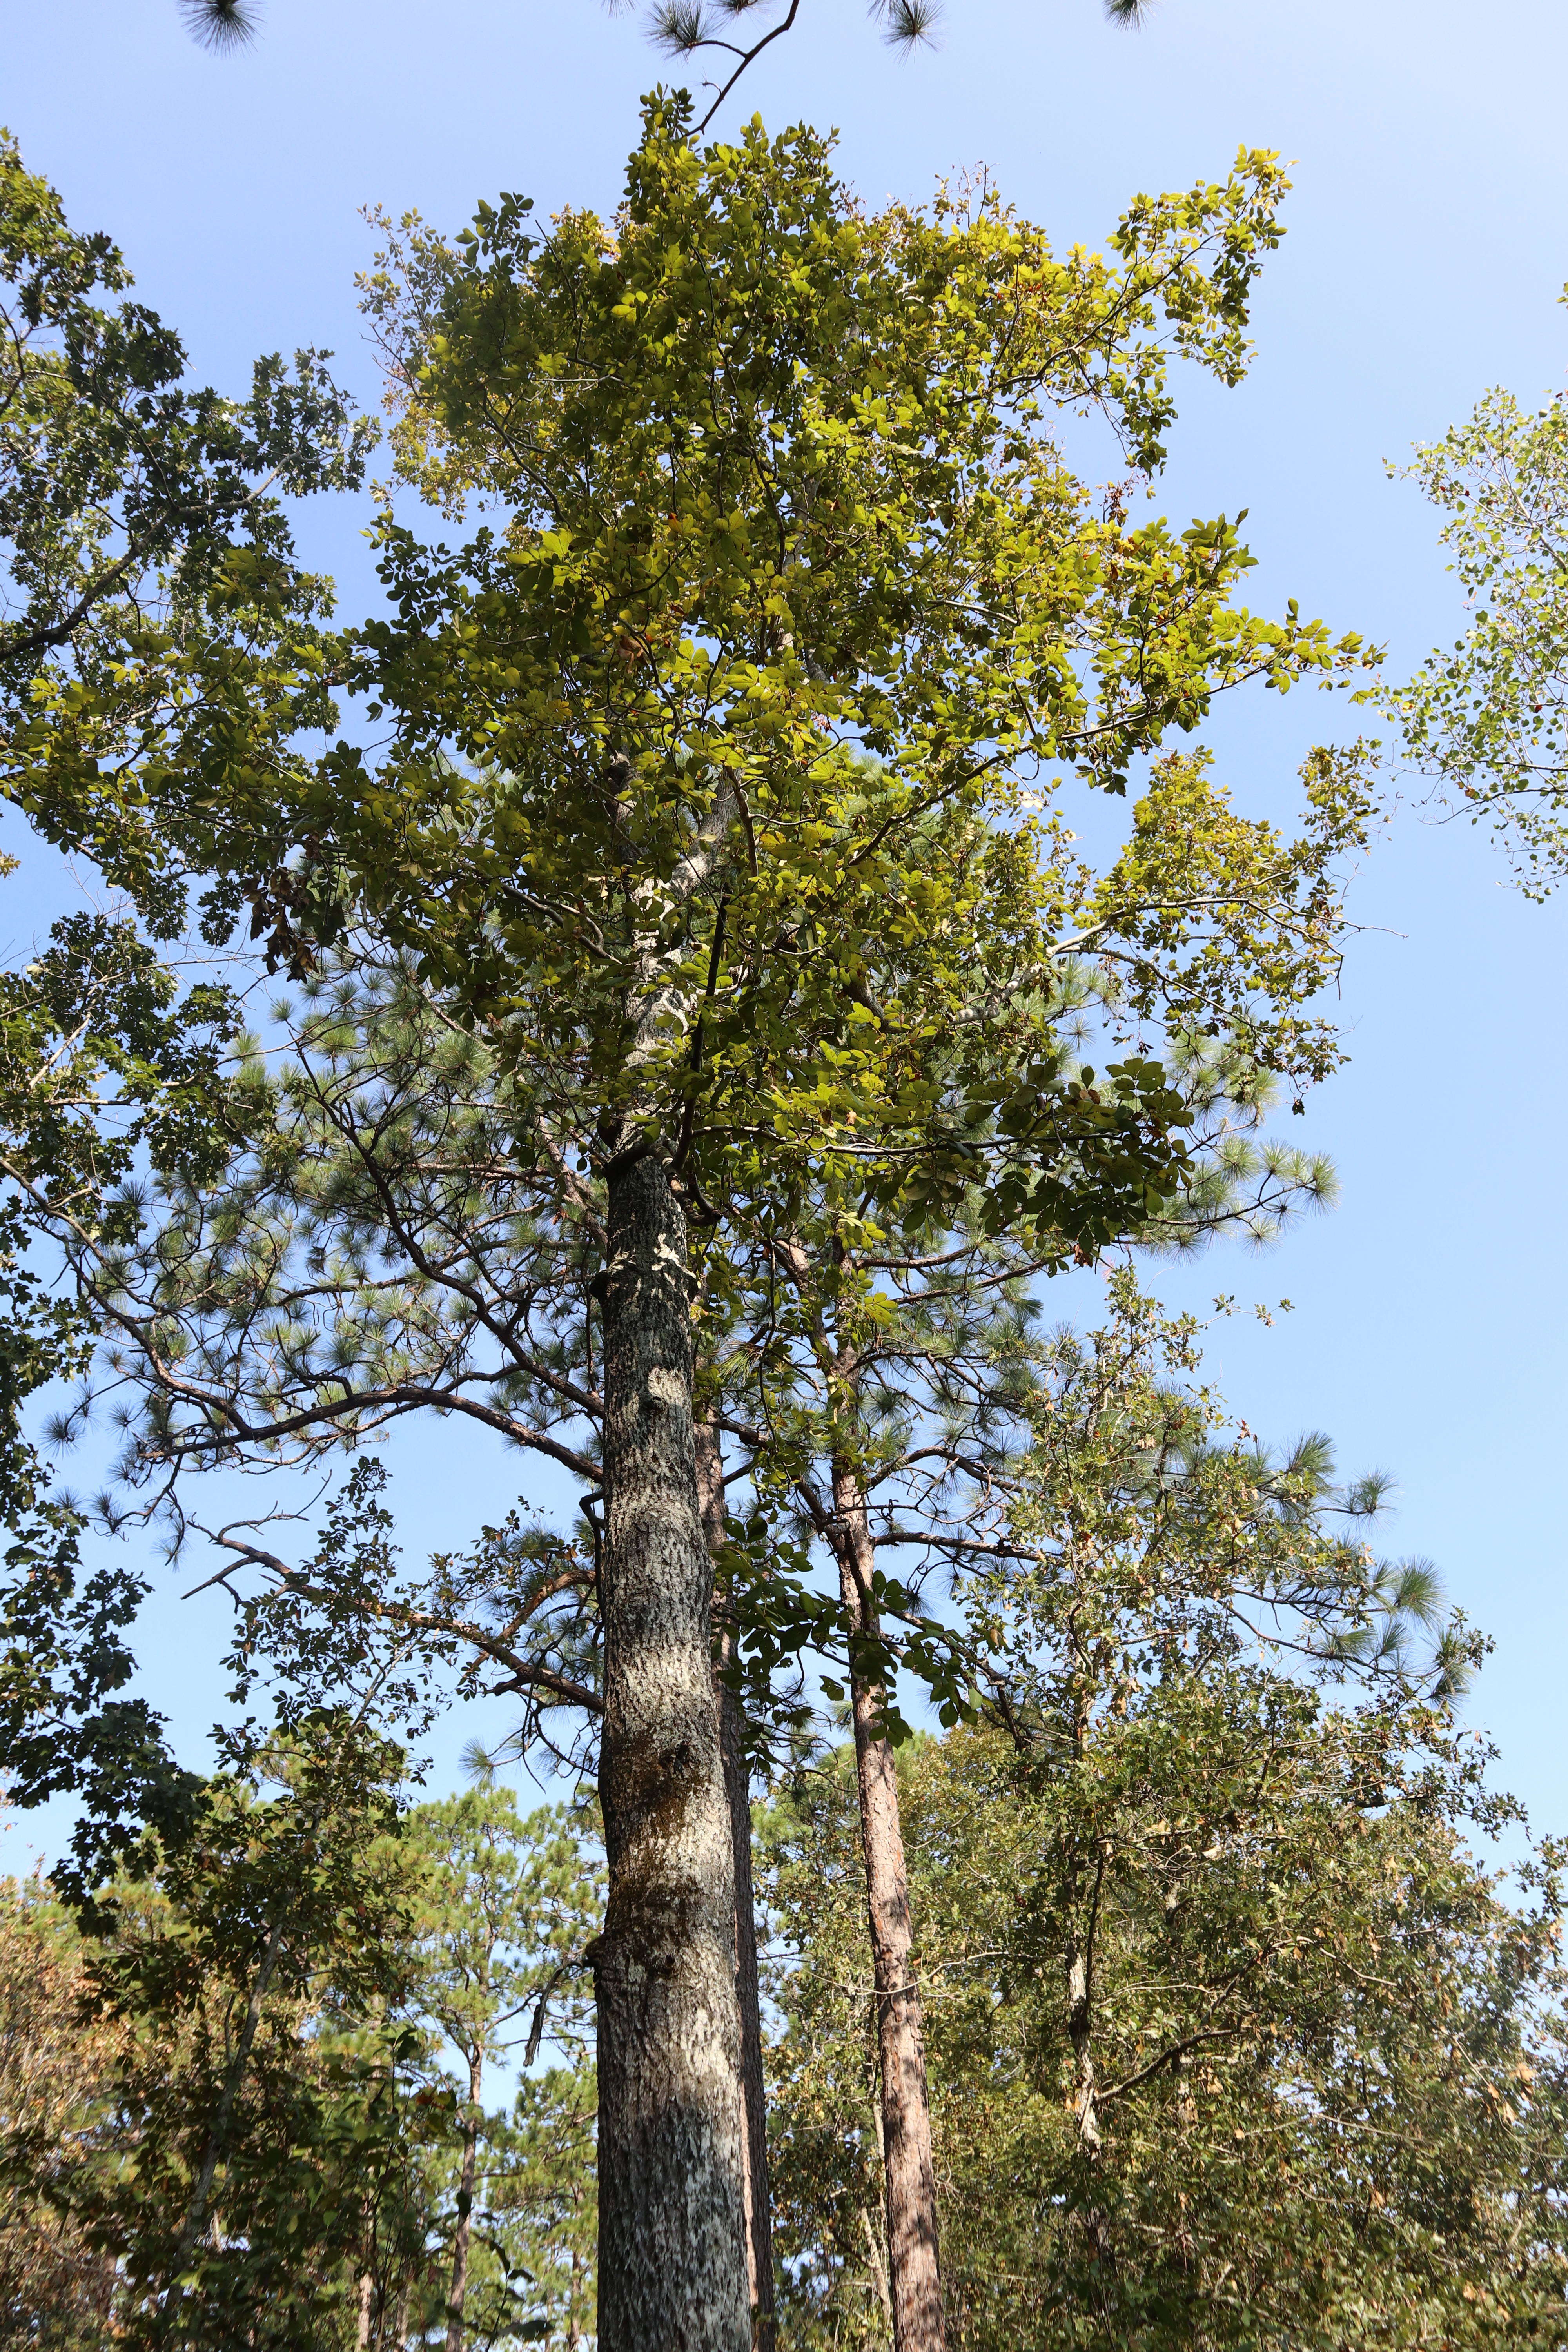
[1156, 1922]
[239, 2152]
[543, 2206]
[56, 2079]
[1334, 2052]
[148, 570]
[507, 1910]
[1489, 720]
[131, 504]
[198, 2141]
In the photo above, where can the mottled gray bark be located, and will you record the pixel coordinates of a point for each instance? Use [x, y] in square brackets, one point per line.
[914, 2277]
[757, 2189]
[672, 2248]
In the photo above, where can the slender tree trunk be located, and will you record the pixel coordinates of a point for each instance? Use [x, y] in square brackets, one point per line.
[201, 2194]
[876, 2249]
[457, 2294]
[367, 2308]
[672, 2243]
[914, 2274]
[1083, 1930]
[1081, 2033]
[1080, 1984]
[1086, 2087]
[756, 2183]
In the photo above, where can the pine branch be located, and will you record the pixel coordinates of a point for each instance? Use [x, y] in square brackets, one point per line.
[221, 24]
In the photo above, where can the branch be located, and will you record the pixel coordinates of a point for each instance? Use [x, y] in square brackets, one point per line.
[747, 58]
[525, 1674]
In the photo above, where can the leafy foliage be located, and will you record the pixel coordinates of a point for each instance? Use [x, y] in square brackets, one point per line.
[1136, 1879]
[151, 591]
[56, 2097]
[229, 2112]
[719, 815]
[625, 815]
[1330, 2056]
[135, 513]
[1486, 719]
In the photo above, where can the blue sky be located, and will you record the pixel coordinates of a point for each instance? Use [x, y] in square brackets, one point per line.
[1427, 249]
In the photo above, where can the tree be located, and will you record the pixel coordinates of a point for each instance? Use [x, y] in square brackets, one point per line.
[1487, 720]
[887, 1373]
[150, 578]
[154, 2075]
[489, 2232]
[227, 2112]
[509, 1909]
[637, 840]
[550, 2202]
[131, 504]
[56, 2095]
[505, 457]
[1175, 1913]
[1333, 2052]
[239, 2152]
[99, 1068]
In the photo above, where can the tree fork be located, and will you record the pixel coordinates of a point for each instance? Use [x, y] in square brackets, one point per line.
[672, 2243]
[909, 2169]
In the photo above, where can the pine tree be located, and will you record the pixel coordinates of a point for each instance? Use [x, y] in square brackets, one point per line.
[507, 1910]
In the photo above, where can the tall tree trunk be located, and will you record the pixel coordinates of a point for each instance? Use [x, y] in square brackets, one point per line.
[756, 2183]
[672, 2242]
[458, 2292]
[914, 2274]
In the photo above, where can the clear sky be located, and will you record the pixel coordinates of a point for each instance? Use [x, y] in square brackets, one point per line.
[1427, 249]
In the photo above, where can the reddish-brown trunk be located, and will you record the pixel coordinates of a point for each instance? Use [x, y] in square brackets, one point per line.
[914, 2276]
[738, 1790]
